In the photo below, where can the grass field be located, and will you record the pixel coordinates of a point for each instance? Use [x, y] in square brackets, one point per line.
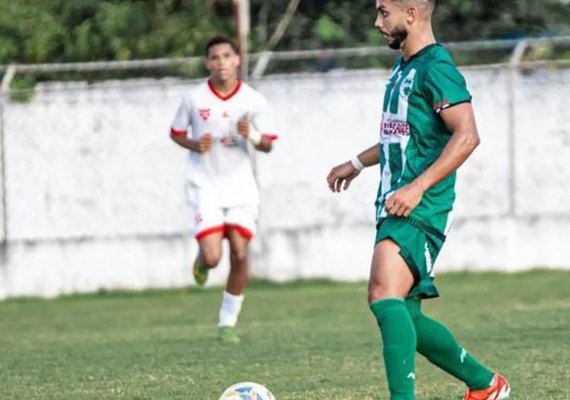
[305, 341]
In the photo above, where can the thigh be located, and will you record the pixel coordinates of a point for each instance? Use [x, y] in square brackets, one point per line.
[389, 273]
[417, 248]
[238, 244]
[211, 246]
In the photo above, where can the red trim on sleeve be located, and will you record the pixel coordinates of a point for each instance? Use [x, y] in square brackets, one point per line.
[270, 136]
[176, 132]
[209, 231]
[222, 96]
[246, 233]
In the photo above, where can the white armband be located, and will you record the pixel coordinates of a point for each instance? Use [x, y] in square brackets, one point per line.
[254, 136]
[357, 164]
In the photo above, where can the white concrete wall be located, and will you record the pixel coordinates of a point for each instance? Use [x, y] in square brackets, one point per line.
[95, 187]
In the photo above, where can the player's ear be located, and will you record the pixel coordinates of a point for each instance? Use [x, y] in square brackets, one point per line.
[412, 15]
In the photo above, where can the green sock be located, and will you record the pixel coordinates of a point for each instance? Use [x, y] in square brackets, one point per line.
[399, 339]
[437, 344]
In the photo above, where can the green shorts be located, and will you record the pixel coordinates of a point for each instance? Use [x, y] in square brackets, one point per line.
[419, 247]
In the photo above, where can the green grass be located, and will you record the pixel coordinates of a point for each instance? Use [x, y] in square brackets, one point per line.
[304, 341]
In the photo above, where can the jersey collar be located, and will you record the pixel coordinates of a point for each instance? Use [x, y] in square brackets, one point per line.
[222, 96]
[419, 53]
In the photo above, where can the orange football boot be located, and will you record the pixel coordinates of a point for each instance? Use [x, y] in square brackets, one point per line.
[499, 390]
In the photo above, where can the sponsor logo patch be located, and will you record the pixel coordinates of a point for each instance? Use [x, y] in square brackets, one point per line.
[395, 128]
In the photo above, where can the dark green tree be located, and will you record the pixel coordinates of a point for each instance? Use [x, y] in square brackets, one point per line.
[39, 31]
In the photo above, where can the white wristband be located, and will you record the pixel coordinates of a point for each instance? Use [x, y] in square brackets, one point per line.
[357, 164]
[254, 137]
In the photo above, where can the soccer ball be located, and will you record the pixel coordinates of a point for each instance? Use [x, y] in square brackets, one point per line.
[247, 391]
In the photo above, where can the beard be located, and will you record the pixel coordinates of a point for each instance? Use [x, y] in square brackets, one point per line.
[396, 37]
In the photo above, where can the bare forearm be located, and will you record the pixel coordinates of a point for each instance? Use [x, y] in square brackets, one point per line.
[343, 174]
[183, 141]
[457, 150]
[370, 156]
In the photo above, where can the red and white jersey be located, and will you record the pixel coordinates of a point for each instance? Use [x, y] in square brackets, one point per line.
[225, 173]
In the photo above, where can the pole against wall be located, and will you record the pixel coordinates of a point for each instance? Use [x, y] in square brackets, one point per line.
[241, 9]
[4, 92]
[513, 71]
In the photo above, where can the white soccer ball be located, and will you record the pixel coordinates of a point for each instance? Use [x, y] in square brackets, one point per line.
[247, 391]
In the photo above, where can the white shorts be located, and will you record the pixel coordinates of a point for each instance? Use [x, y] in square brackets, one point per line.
[209, 218]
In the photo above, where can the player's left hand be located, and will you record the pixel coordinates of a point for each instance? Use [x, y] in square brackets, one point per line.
[341, 176]
[404, 200]
[243, 126]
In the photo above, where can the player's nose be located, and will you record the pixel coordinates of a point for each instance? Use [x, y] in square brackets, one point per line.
[378, 23]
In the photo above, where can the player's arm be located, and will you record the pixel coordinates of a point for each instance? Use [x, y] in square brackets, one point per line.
[201, 146]
[256, 126]
[342, 175]
[261, 141]
[179, 130]
[460, 120]
[370, 156]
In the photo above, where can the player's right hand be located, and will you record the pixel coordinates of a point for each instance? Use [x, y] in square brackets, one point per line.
[243, 126]
[341, 176]
[205, 143]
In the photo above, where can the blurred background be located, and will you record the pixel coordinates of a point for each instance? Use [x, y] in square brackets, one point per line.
[93, 189]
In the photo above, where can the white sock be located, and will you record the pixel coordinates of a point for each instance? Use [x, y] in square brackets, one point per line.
[230, 309]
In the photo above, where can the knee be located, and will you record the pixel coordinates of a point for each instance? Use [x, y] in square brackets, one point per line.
[379, 289]
[376, 292]
[210, 259]
[239, 255]
[380, 292]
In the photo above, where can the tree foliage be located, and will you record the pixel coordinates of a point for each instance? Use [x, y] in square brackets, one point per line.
[36, 31]
[39, 31]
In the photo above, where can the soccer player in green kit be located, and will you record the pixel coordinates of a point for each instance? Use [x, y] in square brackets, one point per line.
[428, 130]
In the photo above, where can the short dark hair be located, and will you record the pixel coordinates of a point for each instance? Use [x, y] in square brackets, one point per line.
[428, 5]
[216, 40]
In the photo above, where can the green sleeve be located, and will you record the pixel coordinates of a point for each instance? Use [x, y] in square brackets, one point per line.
[444, 86]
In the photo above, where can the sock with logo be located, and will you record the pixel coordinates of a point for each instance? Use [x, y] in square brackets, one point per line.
[437, 344]
[399, 338]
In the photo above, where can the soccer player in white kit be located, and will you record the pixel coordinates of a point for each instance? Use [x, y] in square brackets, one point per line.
[222, 122]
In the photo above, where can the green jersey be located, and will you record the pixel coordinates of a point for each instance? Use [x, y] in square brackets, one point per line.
[413, 135]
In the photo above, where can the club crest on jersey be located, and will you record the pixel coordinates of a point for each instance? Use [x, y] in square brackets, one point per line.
[407, 84]
[204, 113]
